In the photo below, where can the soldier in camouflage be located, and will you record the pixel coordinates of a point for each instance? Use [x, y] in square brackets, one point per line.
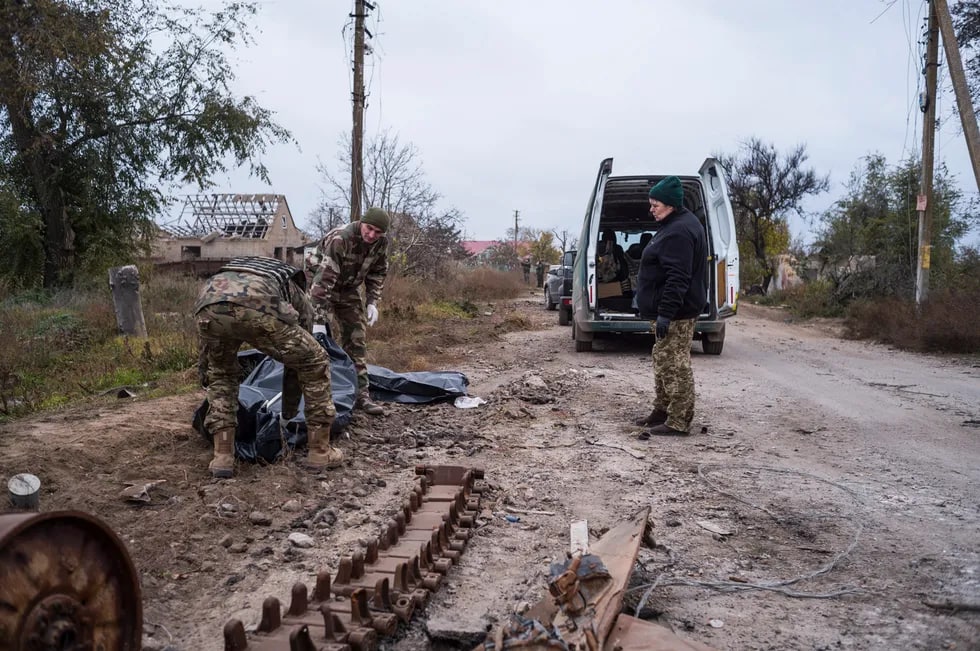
[263, 302]
[346, 259]
[672, 291]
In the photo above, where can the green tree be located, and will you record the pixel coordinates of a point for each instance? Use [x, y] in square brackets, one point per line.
[876, 220]
[106, 105]
[966, 21]
[543, 248]
[766, 187]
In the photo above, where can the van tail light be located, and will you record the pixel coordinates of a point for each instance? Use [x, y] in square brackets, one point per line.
[732, 291]
[567, 300]
[590, 295]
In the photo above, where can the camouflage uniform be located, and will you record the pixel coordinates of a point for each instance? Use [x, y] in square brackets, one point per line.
[539, 272]
[673, 377]
[262, 301]
[343, 262]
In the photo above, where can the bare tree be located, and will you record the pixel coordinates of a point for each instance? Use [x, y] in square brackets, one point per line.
[423, 237]
[326, 217]
[765, 188]
[564, 239]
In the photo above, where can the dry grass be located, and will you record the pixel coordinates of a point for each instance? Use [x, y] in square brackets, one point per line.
[64, 348]
[948, 323]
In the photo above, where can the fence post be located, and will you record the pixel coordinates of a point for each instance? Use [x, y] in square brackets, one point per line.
[125, 285]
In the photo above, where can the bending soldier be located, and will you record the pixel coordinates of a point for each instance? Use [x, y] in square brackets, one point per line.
[347, 258]
[263, 302]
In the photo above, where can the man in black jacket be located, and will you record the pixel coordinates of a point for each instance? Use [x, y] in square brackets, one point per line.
[671, 292]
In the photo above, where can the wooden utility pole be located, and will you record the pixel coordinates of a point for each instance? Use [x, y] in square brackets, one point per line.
[925, 202]
[357, 135]
[516, 213]
[964, 104]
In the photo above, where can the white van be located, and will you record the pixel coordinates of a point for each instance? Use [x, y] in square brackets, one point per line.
[620, 204]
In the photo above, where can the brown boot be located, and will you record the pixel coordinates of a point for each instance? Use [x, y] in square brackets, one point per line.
[322, 455]
[365, 404]
[222, 466]
[656, 417]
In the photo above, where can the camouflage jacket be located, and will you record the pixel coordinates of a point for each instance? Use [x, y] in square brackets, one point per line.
[343, 261]
[287, 302]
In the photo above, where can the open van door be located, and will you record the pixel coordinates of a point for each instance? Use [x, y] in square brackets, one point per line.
[721, 224]
[583, 278]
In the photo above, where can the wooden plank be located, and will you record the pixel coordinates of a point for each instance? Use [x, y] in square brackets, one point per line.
[618, 549]
[631, 634]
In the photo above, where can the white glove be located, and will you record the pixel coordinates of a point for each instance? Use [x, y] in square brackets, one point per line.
[372, 314]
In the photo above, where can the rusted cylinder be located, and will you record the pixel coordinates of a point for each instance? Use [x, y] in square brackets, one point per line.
[67, 582]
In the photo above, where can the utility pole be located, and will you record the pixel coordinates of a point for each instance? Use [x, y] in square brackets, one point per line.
[357, 135]
[963, 102]
[516, 213]
[924, 201]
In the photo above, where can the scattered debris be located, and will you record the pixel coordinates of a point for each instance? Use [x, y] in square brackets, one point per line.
[139, 490]
[714, 527]
[583, 611]
[632, 453]
[468, 402]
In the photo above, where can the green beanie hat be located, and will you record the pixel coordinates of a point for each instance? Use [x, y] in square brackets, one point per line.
[377, 218]
[669, 191]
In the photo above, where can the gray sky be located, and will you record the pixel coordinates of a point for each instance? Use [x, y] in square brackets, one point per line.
[513, 104]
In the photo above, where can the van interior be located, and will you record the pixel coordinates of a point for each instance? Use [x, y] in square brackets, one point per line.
[626, 214]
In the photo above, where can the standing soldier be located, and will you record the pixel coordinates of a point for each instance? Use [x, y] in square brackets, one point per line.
[263, 302]
[526, 268]
[539, 270]
[670, 292]
[347, 258]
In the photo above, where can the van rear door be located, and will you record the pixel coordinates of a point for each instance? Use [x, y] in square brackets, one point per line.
[585, 260]
[721, 226]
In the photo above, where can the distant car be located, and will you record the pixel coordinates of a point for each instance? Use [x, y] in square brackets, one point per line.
[558, 287]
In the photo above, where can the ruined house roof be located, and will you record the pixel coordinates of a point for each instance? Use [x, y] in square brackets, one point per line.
[246, 216]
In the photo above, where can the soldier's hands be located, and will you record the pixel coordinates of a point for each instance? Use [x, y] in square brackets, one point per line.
[318, 293]
[663, 323]
[372, 314]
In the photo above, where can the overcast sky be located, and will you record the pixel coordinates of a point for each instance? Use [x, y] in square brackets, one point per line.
[513, 104]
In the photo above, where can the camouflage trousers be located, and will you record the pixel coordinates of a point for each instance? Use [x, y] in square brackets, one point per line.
[223, 327]
[347, 311]
[673, 377]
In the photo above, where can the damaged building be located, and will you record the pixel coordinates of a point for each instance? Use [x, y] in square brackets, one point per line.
[214, 228]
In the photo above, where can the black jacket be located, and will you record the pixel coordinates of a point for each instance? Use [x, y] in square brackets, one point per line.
[673, 279]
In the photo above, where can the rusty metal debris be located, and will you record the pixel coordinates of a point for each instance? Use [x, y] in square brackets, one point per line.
[372, 591]
[66, 582]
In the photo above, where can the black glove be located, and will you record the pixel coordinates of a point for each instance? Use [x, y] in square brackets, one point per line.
[662, 324]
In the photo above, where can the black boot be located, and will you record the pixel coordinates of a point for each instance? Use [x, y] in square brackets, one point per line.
[656, 417]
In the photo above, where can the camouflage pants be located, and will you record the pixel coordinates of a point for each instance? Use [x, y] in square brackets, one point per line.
[673, 377]
[348, 315]
[223, 327]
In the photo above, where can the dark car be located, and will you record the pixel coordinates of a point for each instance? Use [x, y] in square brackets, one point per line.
[558, 286]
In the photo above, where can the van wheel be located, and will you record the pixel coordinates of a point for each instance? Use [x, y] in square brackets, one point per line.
[581, 345]
[564, 316]
[712, 347]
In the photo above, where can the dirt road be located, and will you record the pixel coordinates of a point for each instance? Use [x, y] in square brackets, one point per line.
[830, 492]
